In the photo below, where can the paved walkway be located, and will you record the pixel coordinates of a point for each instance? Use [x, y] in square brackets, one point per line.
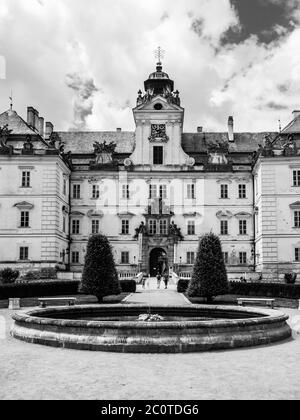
[156, 297]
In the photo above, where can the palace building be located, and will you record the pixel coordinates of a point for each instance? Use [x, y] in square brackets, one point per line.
[154, 192]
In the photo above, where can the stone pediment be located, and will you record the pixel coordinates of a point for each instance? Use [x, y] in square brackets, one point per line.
[24, 205]
[158, 101]
[295, 205]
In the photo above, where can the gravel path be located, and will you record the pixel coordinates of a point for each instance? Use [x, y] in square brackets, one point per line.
[36, 372]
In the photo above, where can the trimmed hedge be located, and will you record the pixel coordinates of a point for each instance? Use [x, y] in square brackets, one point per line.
[128, 286]
[275, 290]
[39, 289]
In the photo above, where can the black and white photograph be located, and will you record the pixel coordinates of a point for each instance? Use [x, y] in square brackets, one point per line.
[149, 203]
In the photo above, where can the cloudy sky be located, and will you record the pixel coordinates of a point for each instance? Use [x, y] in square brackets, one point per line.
[81, 62]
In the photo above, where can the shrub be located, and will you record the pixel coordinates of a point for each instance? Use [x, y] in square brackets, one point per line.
[290, 278]
[7, 275]
[100, 277]
[31, 275]
[272, 290]
[128, 286]
[209, 277]
[39, 289]
[182, 286]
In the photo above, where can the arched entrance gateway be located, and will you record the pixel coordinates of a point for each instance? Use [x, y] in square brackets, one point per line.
[158, 261]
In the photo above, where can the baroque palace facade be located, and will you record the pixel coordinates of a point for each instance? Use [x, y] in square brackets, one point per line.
[153, 192]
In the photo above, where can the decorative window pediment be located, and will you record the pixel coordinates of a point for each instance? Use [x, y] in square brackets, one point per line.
[192, 214]
[93, 213]
[222, 214]
[295, 205]
[24, 205]
[224, 181]
[125, 215]
[77, 214]
[243, 215]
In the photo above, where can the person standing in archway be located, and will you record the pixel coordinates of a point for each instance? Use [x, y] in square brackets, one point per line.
[166, 279]
[158, 278]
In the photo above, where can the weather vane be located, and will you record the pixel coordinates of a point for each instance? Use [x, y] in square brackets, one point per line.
[159, 54]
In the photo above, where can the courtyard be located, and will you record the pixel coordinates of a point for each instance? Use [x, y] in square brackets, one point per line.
[37, 372]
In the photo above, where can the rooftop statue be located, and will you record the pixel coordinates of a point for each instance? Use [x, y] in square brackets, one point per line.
[4, 134]
[104, 147]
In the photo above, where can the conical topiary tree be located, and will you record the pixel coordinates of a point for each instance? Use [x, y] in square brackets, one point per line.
[100, 277]
[209, 276]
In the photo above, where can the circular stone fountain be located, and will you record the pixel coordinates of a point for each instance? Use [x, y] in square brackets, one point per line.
[184, 329]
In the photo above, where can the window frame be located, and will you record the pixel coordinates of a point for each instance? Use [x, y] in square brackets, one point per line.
[26, 179]
[77, 259]
[191, 192]
[95, 192]
[158, 152]
[224, 191]
[76, 222]
[191, 227]
[242, 191]
[95, 223]
[125, 227]
[243, 227]
[190, 257]
[125, 257]
[223, 224]
[243, 258]
[25, 219]
[21, 255]
[296, 178]
[76, 192]
[297, 219]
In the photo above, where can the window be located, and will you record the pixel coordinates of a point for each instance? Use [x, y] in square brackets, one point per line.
[242, 191]
[153, 191]
[224, 227]
[24, 253]
[297, 254]
[158, 153]
[64, 224]
[243, 258]
[125, 192]
[64, 187]
[125, 257]
[224, 191]
[297, 219]
[75, 227]
[191, 227]
[76, 192]
[95, 227]
[191, 191]
[296, 178]
[125, 227]
[243, 227]
[24, 219]
[163, 226]
[190, 258]
[152, 227]
[25, 179]
[163, 192]
[75, 257]
[225, 257]
[96, 192]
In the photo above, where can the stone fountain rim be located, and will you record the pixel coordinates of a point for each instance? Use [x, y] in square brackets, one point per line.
[260, 316]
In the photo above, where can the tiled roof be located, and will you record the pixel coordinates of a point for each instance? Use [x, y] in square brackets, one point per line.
[15, 123]
[293, 126]
[82, 142]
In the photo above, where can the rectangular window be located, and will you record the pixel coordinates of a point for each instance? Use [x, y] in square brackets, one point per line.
[190, 258]
[24, 219]
[24, 253]
[297, 254]
[163, 226]
[191, 191]
[152, 227]
[75, 227]
[95, 227]
[243, 227]
[224, 227]
[243, 258]
[152, 191]
[75, 257]
[191, 227]
[125, 227]
[296, 178]
[242, 191]
[64, 187]
[125, 192]
[96, 192]
[64, 224]
[163, 192]
[297, 219]
[76, 192]
[125, 258]
[224, 191]
[226, 257]
[25, 179]
[158, 155]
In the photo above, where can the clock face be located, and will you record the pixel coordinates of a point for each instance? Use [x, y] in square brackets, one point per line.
[158, 130]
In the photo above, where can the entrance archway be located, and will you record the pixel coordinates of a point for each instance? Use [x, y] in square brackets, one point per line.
[158, 261]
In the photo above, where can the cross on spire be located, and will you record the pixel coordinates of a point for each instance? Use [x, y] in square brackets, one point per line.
[159, 54]
[11, 99]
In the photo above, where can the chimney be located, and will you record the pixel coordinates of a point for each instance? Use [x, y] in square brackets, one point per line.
[49, 130]
[41, 126]
[30, 116]
[36, 119]
[230, 129]
[199, 129]
[296, 114]
[119, 130]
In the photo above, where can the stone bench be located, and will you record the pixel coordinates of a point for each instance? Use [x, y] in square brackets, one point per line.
[267, 302]
[44, 301]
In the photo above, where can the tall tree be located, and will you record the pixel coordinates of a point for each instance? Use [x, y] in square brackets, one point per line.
[209, 275]
[100, 277]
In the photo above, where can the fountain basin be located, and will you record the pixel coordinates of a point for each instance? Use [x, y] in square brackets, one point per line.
[116, 328]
